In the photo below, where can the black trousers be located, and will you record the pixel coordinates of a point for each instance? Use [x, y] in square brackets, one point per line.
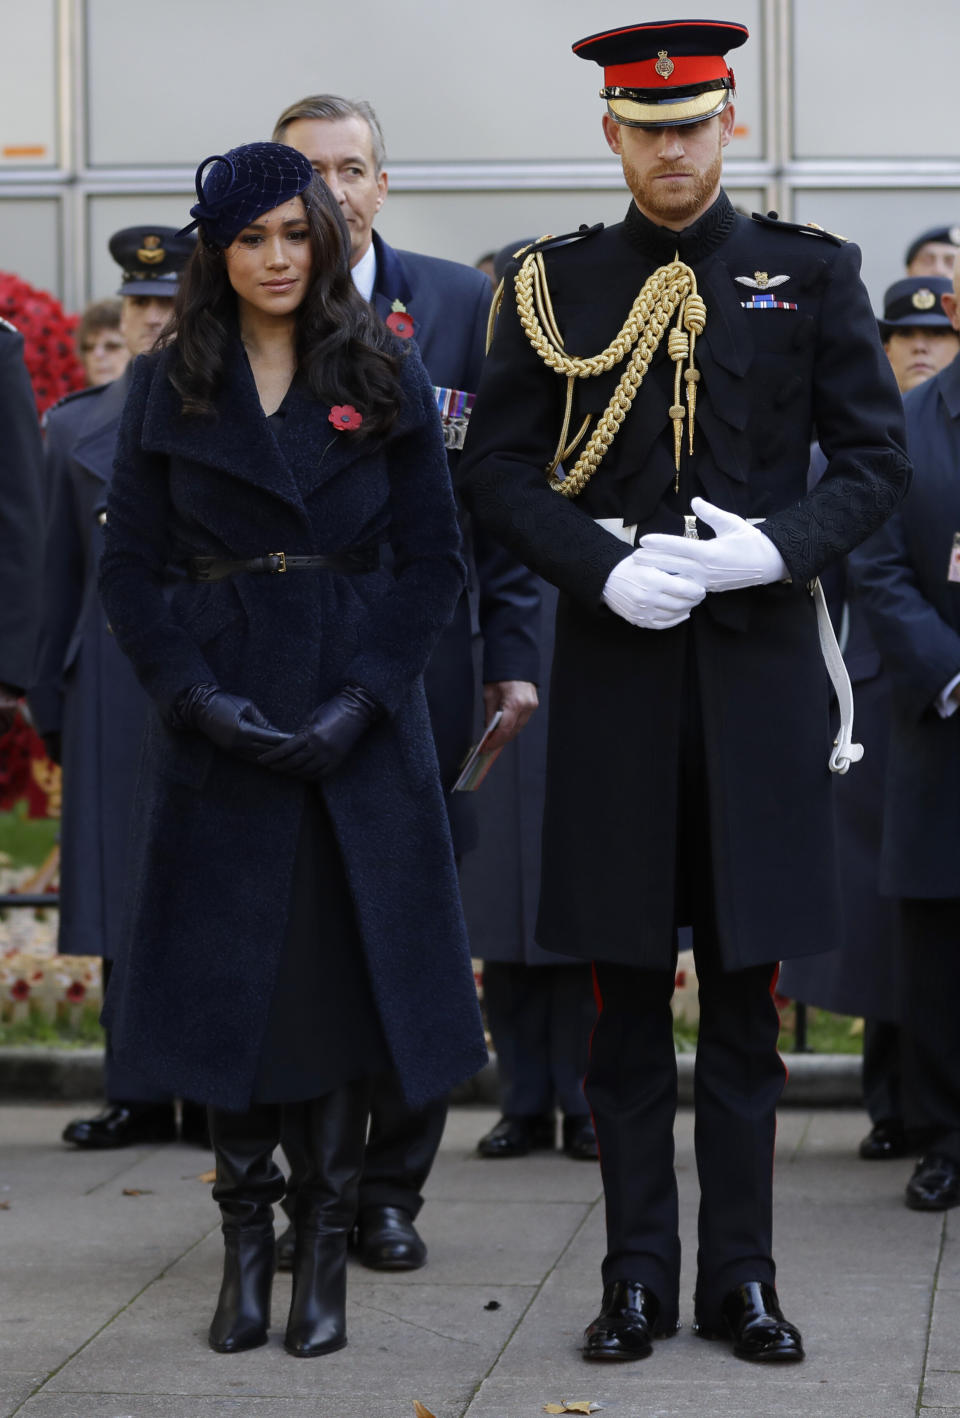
[540, 1018]
[631, 1085]
[882, 1070]
[931, 1043]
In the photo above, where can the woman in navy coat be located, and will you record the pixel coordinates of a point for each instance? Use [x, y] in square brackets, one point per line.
[295, 923]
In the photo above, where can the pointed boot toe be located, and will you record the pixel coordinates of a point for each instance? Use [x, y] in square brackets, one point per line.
[318, 1308]
[242, 1316]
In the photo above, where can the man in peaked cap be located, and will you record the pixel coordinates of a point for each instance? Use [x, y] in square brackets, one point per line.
[916, 330]
[649, 399]
[85, 699]
[933, 252]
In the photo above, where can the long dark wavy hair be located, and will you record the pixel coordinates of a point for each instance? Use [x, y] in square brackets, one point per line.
[344, 351]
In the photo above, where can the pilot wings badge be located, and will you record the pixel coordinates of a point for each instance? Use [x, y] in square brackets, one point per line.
[760, 280]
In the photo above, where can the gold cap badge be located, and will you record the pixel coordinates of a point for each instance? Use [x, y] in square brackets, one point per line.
[664, 66]
[954, 235]
[151, 253]
[923, 299]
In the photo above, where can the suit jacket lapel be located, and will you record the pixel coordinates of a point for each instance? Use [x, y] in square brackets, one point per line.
[391, 281]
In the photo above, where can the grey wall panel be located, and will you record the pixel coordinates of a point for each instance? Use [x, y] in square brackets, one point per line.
[30, 240]
[464, 225]
[449, 83]
[107, 214]
[28, 91]
[875, 80]
[881, 221]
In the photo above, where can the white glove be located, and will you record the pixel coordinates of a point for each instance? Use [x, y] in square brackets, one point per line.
[648, 597]
[739, 555]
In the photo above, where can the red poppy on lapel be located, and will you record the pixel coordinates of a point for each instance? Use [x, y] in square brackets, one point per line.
[345, 417]
[399, 321]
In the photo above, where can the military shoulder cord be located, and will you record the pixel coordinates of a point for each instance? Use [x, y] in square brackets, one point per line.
[670, 289]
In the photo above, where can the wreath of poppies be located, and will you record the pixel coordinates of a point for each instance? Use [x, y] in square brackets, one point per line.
[47, 331]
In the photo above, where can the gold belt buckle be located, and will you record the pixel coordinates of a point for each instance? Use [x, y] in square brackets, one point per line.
[282, 560]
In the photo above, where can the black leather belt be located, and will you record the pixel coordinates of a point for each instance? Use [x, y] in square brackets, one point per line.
[276, 563]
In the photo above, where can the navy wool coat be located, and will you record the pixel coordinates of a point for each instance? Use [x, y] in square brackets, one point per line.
[614, 774]
[213, 837]
[21, 526]
[914, 612]
[84, 688]
[448, 304]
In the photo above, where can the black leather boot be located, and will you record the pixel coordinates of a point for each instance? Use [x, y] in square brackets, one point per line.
[248, 1183]
[333, 1134]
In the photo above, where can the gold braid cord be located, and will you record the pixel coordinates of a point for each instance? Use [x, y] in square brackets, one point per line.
[670, 290]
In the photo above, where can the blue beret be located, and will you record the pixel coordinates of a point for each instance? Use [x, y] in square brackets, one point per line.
[243, 184]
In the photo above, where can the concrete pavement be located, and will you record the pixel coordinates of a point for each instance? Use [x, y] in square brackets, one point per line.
[109, 1267]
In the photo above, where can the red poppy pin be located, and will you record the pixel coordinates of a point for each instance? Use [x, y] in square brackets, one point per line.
[399, 321]
[345, 417]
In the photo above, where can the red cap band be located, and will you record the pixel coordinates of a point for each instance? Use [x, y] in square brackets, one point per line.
[686, 70]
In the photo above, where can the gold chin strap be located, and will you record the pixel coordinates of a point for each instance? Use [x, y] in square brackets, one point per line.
[670, 290]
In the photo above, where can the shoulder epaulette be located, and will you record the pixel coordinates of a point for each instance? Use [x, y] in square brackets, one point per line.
[5, 325]
[543, 243]
[74, 394]
[804, 228]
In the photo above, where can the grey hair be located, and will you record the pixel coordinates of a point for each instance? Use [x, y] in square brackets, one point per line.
[331, 106]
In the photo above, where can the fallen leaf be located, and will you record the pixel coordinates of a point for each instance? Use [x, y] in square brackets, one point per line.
[4, 1206]
[210, 1176]
[568, 1405]
[420, 1410]
[137, 1191]
[552, 1408]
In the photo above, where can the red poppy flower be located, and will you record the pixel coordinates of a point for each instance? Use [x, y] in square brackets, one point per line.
[76, 992]
[400, 323]
[19, 990]
[345, 417]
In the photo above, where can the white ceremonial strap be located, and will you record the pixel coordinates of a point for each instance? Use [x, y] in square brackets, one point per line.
[618, 527]
[845, 751]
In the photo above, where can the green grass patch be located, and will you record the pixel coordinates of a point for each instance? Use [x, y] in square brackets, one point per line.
[80, 1031]
[27, 841]
[826, 1033]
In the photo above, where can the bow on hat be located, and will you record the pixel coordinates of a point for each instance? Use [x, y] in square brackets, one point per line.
[236, 187]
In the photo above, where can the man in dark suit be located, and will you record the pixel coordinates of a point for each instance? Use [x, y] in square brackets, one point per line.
[21, 524]
[651, 384]
[444, 307]
[86, 702]
[908, 575]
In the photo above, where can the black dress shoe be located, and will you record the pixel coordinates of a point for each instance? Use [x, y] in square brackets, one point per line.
[386, 1239]
[627, 1325]
[885, 1139]
[580, 1140]
[193, 1125]
[286, 1245]
[751, 1318]
[124, 1125]
[516, 1136]
[935, 1184]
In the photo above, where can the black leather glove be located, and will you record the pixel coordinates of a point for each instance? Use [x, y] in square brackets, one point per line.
[327, 736]
[231, 722]
[53, 744]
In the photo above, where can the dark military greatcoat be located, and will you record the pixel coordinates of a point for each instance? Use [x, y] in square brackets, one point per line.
[214, 838]
[769, 370]
[84, 689]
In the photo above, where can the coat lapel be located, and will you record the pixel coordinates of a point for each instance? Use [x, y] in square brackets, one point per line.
[238, 441]
[391, 281]
[95, 448]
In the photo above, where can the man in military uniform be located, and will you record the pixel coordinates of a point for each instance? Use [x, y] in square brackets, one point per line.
[933, 252]
[908, 578]
[85, 699]
[21, 524]
[443, 306]
[650, 397]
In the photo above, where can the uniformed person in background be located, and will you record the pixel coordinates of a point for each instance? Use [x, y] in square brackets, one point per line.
[443, 307]
[864, 976]
[86, 702]
[933, 252]
[654, 386]
[21, 524]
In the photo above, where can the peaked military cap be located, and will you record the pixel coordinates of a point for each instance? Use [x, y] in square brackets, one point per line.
[913, 301]
[666, 73]
[947, 235]
[151, 257]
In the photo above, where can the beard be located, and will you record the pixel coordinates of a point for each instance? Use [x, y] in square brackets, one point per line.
[681, 201]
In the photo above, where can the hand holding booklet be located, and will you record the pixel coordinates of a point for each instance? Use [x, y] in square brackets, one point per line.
[479, 760]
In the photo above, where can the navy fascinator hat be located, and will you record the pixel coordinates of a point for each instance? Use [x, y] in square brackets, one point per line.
[243, 184]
